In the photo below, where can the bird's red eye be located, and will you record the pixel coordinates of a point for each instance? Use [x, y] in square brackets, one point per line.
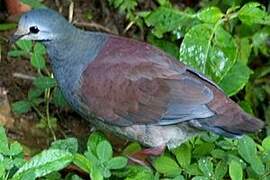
[34, 29]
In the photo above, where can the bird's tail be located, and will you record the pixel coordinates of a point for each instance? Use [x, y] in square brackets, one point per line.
[231, 124]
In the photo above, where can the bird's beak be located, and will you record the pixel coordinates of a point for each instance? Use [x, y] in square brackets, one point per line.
[16, 36]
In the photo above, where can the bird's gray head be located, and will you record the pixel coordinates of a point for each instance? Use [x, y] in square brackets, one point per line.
[42, 25]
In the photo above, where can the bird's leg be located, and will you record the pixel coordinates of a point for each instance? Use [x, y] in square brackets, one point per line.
[141, 156]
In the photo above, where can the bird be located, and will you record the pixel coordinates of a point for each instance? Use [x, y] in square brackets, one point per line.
[132, 88]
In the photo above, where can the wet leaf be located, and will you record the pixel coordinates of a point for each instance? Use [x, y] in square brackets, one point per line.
[68, 144]
[221, 170]
[213, 54]
[206, 166]
[210, 15]
[44, 163]
[165, 20]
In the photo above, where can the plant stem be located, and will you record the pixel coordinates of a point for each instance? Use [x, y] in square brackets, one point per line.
[47, 100]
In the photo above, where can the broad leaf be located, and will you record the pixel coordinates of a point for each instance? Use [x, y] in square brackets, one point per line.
[21, 107]
[206, 166]
[183, 155]
[68, 144]
[213, 54]
[44, 163]
[240, 74]
[104, 151]
[210, 15]
[44, 82]
[235, 170]
[167, 166]
[117, 163]
[166, 20]
[252, 13]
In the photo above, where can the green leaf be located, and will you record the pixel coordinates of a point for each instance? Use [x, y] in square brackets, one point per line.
[213, 54]
[68, 144]
[194, 170]
[82, 162]
[34, 3]
[58, 98]
[37, 61]
[7, 26]
[104, 151]
[258, 166]
[247, 149]
[117, 163]
[246, 106]
[226, 144]
[20, 107]
[132, 148]
[183, 155]
[17, 53]
[165, 20]
[244, 50]
[235, 170]
[221, 170]
[93, 140]
[96, 174]
[169, 47]
[166, 166]
[260, 41]
[200, 178]
[25, 45]
[3, 141]
[240, 73]
[91, 157]
[252, 13]
[15, 149]
[34, 93]
[39, 49]
[203, 149]
[206, 166]
[44, 163]
[210, 15]
[266, 143]
[44, 82]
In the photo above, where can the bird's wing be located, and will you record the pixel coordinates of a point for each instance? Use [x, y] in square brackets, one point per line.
[130, 82]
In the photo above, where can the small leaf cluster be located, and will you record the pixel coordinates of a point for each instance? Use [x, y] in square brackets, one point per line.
[11, 156]
[212, 157]
[97, 161]
[44, 90]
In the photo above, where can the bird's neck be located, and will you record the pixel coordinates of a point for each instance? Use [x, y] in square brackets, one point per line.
[70, 56]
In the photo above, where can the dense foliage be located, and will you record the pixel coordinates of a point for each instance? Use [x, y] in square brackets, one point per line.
[228, 41]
